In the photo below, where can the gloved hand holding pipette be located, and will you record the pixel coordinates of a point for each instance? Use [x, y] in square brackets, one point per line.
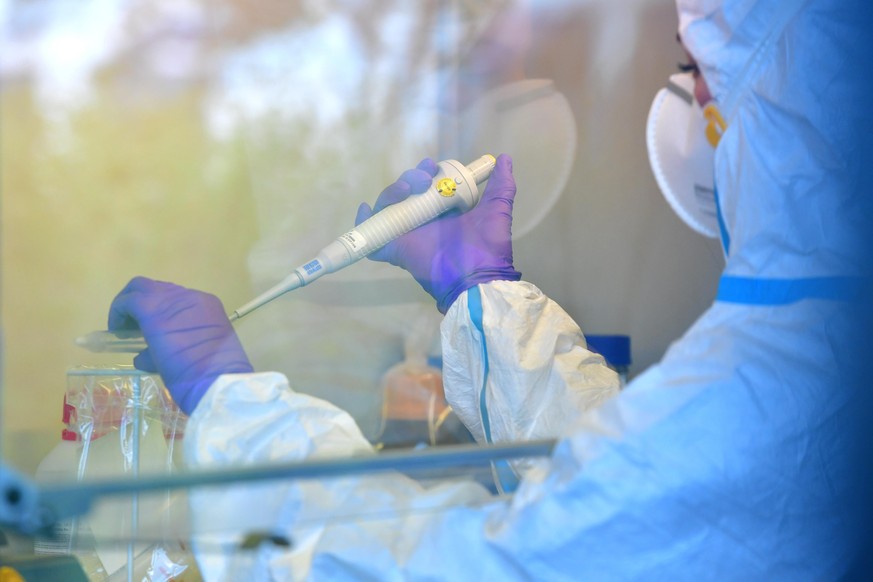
[461, 250]
[450, 187]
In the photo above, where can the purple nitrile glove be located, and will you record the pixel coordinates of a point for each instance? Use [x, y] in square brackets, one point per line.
[456, 251]
[190, 339]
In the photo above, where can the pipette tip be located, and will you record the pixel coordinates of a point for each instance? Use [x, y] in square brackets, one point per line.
[107, 341]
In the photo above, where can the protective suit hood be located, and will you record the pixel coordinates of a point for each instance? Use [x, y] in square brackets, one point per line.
[788, 207]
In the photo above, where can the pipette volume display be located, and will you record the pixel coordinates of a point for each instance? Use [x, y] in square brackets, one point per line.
[454, 186]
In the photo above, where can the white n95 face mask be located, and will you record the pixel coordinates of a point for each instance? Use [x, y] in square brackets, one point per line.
[681, 139]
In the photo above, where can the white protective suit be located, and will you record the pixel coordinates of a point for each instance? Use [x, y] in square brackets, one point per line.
[730, 459]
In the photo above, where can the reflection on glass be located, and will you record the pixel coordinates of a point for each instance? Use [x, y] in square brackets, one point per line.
[215, 145]
[247, 139]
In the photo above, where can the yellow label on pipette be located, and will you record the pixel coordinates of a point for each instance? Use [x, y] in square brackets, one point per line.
[447, 187]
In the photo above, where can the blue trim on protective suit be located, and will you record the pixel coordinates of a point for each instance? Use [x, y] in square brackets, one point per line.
[761, 291]
[474, 306]
[758, 291]
[722, 227]
[507, 481]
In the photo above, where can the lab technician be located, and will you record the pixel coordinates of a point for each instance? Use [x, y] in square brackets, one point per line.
[732, 458]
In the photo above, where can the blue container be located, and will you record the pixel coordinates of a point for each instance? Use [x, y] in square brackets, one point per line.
[616, 350]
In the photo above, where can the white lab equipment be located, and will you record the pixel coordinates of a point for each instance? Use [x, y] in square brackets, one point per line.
[454, 187]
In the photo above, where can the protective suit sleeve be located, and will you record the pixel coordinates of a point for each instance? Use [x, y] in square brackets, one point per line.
[332, 524]
[516, 366]
[240, 410]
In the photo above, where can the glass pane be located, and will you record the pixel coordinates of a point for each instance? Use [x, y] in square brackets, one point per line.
[219, 144]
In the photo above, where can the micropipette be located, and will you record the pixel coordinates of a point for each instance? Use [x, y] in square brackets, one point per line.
[454, 186]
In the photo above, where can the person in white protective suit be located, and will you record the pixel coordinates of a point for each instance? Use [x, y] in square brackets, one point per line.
[732, 458]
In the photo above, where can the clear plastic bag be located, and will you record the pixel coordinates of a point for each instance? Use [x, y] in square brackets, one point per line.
[414, 408]
[120, 422]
